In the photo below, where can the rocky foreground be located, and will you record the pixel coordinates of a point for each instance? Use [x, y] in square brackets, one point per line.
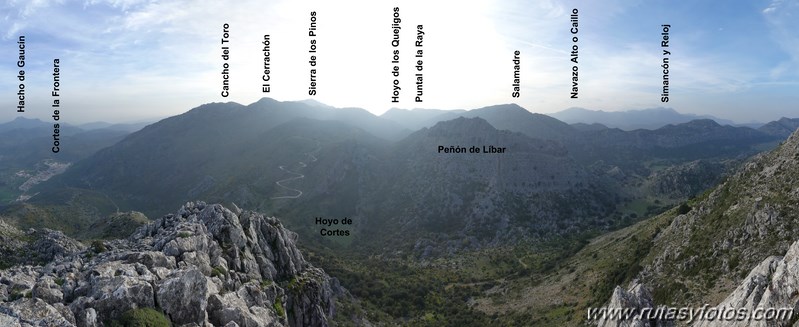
[772, 284]
[202, 266]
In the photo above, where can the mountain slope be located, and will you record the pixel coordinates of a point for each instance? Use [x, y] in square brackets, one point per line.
[456, 201]
[706, 252]
[227, 164]
[782, 128]
[693, 254]
[751, 215]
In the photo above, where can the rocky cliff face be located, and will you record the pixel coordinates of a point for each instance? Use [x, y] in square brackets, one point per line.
[203, 266]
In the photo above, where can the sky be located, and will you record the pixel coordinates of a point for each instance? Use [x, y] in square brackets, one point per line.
[136, 60]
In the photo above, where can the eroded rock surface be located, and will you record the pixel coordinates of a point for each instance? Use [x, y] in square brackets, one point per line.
[203, 266]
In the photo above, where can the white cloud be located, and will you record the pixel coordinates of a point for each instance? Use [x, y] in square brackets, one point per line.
[781, 19]
[772, 7]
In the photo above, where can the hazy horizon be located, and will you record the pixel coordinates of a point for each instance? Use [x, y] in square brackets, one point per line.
[134, 59]
[155, 119]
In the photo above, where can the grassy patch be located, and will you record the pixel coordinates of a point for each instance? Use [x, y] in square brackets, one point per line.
[143, 317]
[279, 308]
[218, 271]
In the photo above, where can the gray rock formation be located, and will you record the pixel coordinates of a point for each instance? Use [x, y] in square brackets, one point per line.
[203, 266]
[774, 284]
[688, 179]
[33, 246]
[637, 300]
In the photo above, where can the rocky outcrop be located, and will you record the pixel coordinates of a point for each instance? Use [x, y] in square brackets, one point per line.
[682, 181]
[774, 284]
[33, 246]
[636, 300]
[203, 266]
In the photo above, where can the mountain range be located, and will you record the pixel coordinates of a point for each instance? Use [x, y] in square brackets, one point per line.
[238, 153]
[652, 118]
[376, 170]
[22, 123]
[456, 215]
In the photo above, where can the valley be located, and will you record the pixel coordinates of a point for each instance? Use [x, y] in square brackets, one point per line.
[300, 164]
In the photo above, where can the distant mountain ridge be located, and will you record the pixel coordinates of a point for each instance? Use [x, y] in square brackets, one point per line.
[674, 135]
[28, 123]
[504, 116]
[23, 123]
[652, 118]
[782, 128]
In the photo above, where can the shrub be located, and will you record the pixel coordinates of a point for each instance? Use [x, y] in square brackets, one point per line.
[98, 246]
[684, 208]
[143, 317]
[15, 296]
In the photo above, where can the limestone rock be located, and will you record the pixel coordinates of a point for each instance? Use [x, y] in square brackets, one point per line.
[636, 299]
[203, 266]
[772, 284]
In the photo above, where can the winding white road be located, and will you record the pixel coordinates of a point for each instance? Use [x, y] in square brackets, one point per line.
[296, 175]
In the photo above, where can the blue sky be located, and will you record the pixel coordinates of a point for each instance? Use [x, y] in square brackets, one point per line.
[128, 60]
